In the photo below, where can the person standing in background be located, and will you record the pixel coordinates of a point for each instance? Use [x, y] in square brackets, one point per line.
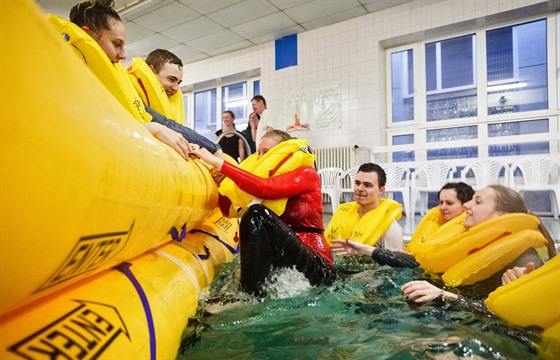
[231, 144]
[267, 120]
[250, 133]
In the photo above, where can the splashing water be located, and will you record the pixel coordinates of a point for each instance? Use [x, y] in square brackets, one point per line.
[363, 315]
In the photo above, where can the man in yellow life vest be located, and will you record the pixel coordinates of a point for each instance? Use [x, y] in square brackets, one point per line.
[168, 69]
[369, 219]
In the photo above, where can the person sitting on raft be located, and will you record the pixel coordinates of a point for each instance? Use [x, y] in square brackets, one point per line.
[488, 203]
[369, 219]
[270, 241]
[101, 21]
[451, 196]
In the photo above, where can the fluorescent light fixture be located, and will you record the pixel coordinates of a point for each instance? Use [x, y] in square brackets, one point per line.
[506, 87]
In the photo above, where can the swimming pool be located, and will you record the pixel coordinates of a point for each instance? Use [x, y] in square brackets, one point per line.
[361, 316]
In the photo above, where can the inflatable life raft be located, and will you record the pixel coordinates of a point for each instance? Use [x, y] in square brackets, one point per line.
[90, 205]
[533, 300]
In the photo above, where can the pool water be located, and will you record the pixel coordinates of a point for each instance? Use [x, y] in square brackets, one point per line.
[363, 315]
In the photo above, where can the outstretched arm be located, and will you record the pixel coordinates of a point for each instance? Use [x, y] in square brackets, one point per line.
[348, 247]
[169, 137]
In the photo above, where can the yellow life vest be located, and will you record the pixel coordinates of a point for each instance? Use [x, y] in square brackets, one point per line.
[427, 233]
[113, 76]
[152, 92]
[532, 300]
[346, 222]
[284, 157]
[482, 250]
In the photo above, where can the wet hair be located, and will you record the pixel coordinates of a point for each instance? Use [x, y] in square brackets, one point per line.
[464, 191]
[284, 136]
[230, 113]
[371, 167]
[160, 57]
[94, 14]
[509, 201]
[259, 98]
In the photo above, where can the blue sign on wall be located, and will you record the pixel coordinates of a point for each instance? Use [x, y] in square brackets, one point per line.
[286, 51]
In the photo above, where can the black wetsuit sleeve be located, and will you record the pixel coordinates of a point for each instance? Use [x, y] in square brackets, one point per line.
[472, 305]
[189, 134]
[394, 258]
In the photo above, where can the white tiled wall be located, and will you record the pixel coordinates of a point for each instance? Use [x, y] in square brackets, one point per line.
[350, 54]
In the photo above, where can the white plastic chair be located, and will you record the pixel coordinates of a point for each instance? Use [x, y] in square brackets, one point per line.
[346, 181]
[398, 181]
[485, 172]
[427, 178]
[329, 184]
[539, 174]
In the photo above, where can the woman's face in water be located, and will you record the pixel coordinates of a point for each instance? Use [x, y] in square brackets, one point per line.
[481, 207]
[449, 205]
[267, 143]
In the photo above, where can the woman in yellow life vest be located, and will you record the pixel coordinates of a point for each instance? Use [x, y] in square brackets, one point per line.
[103, 24]
[451, 199]
[369, 219]
[487, 214]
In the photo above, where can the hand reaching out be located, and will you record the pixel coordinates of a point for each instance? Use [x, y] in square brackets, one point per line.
[423, 291]
[347, 247]
[169, 137]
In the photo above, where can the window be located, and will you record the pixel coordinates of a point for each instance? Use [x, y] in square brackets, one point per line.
[205, 113]
[234, 98]
[516, 59]
[402, 86]
[451, 78]
[401, 156]
[256, 87]
[518, 128]
[435, 102]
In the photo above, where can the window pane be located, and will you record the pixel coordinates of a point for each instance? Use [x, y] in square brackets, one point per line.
[518, 128]
[519, 149]
[452, 134]
[517, 68]
[453, 153]
[186, 107]
[205, 113]
[256, 87]
[400, 156]
[451, 79]
[402, 86]
[234, 98]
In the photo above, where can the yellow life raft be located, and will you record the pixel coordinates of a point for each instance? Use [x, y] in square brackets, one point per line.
[484, 249]
[152, 92]
[284, 157]
[533, 300]
[137, 310]
[113, 76]
[84, 185]
[347, 224]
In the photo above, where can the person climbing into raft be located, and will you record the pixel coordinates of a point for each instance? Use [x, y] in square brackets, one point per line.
[292, 239]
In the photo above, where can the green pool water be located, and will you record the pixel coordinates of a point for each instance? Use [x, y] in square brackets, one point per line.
[363, 315]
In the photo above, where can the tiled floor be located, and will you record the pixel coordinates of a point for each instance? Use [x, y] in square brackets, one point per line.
[409, 225]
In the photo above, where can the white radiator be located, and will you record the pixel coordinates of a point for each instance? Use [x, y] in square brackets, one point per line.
[343, 157]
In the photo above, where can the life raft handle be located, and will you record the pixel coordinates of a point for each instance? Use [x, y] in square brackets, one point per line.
[239, 135]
